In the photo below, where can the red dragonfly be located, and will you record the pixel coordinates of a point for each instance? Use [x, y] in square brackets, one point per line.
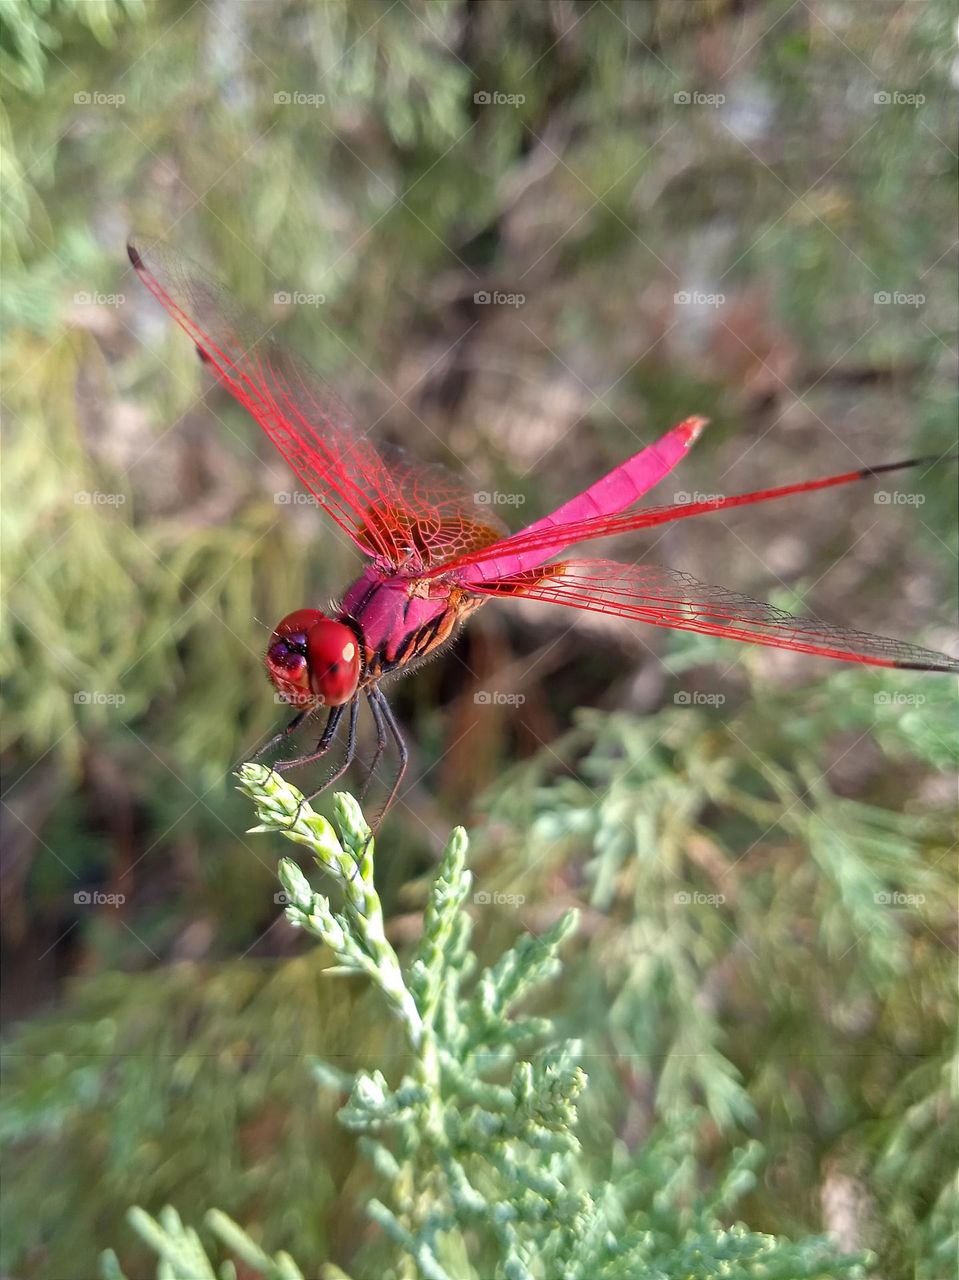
[436, 555]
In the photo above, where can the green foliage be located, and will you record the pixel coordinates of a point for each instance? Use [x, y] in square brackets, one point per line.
[184, 1086]
[173, 1067]
[397, 197]
[34, 31]
[475, 1143]
[726, 875]
[182, 1256]
[802, 984]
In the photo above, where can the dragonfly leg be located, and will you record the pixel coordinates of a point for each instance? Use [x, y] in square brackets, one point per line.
[324, 744]
[284, 733]
[390, 722]
[380, 745]
[336, 715]
[321, 748]
[350, 748]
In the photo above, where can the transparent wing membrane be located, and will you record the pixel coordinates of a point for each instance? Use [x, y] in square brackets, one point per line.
[668, 598]
[391, 507]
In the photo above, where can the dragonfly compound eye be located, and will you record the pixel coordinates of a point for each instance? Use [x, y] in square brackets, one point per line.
[313, 660]
[334, 659]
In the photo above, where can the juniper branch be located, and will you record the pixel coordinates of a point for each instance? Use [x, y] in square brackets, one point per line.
[477, 1146]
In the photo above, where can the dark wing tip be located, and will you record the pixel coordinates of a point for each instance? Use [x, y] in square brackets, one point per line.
[133, 253]
[928, 461]
[947, 664]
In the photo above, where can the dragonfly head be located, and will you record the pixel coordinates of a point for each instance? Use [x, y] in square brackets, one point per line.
[313, 660]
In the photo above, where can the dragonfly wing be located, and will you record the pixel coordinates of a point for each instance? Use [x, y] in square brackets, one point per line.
[534, 545]
[392, 508]
[612, 493]
[668, 598]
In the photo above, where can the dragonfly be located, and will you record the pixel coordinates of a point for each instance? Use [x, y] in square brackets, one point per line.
[436, 553]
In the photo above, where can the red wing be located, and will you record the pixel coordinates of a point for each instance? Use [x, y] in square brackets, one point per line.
[391, 507]
[668, 598]
[475, 568]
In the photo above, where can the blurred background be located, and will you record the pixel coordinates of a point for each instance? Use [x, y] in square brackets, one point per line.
[739, 209]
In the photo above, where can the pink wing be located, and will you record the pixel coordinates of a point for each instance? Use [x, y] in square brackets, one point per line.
[392, 508]
[668, 598]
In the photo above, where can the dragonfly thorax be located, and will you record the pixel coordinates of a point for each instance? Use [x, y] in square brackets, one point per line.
[314, 660]
[399, 622]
